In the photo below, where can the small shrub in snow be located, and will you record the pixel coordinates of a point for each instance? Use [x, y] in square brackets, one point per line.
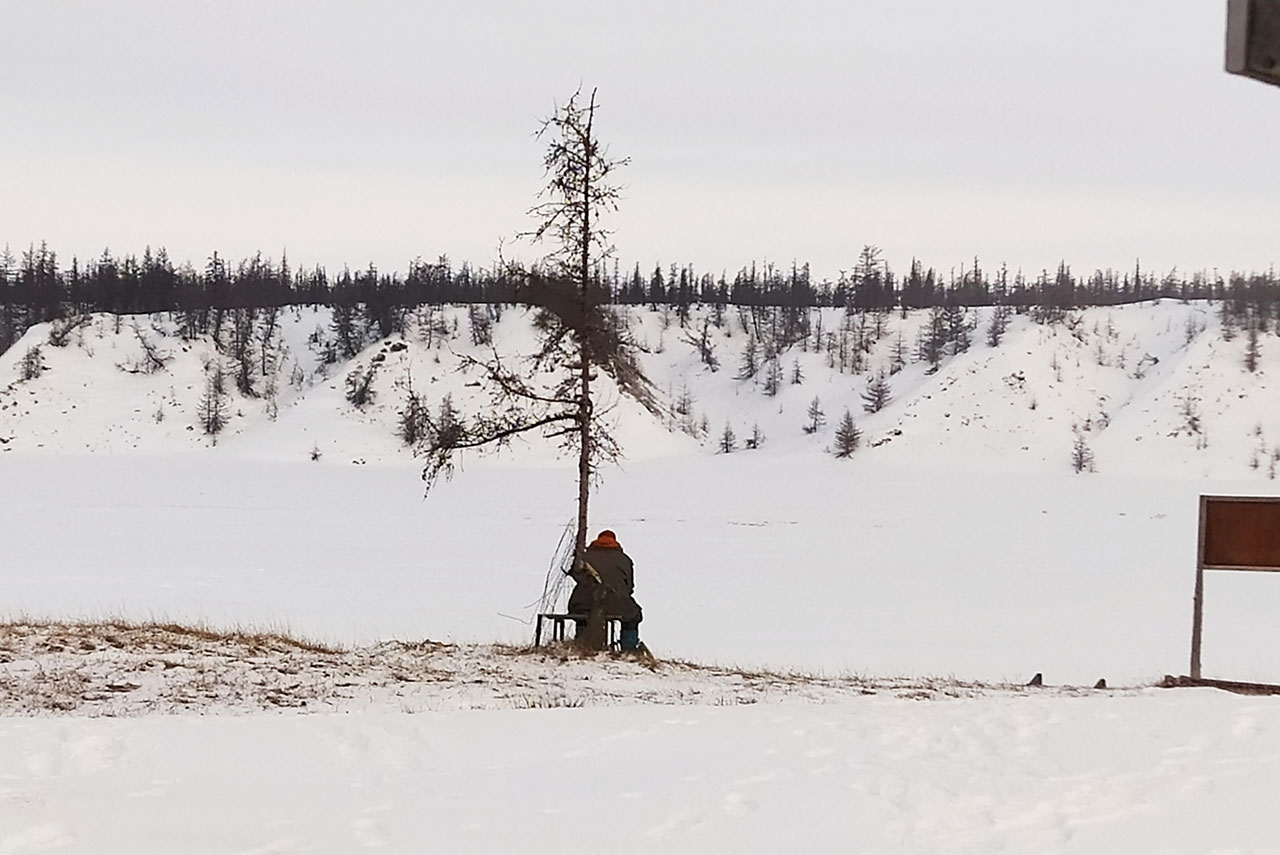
[152, 360]
[1189, 412]
[61, 329]
[359, 386]
[447, 426]
[414, 420]
[1081, 454]
[32, 364]
[703, 344]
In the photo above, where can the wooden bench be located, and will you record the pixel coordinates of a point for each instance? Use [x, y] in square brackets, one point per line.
[613, 627]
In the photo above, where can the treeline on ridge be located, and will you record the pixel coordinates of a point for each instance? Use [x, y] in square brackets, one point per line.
[35, 288]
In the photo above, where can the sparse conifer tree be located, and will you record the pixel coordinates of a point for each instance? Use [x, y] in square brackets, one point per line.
[1227, 320]
[772, 372]
[848, 437]
[212, 410]
[958, 328]
[481, 325]
[933, 338]
[728, 440]
[269, 340]
[682, 409]
[999, 324]
[241, 350]
[1252, 351]
[749, 363]
[346, 332]
[817, 418]
[414, 418]
[876, 396]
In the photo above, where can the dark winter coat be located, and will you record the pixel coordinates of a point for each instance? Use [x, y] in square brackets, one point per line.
[617, 576]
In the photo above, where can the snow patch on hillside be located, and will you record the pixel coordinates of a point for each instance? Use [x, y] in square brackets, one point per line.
[1149, 387]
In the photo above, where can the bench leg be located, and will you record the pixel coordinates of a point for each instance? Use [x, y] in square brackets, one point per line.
[537, 633]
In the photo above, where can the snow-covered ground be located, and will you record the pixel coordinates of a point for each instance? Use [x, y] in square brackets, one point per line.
[124, 669]
[1187, 771]
[957, 543]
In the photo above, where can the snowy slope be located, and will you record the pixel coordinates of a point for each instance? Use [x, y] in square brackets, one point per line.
[1149, 386]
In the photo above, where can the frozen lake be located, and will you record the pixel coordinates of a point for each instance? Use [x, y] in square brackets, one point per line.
[794, 562]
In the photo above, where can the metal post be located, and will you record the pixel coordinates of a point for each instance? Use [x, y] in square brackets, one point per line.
[1197, 621]
[1197, 616]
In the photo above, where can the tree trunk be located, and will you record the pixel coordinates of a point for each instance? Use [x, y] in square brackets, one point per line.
[594, 637]
[584, 347]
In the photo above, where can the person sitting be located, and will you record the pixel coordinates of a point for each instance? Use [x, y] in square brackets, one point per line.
[607, 579]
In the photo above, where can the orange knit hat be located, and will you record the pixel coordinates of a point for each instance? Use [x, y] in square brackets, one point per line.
[606, 540]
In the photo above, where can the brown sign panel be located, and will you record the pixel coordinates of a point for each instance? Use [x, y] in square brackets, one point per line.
[1253, 39]
[1240, 533]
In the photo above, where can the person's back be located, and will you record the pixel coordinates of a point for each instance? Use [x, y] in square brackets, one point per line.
[617, 579]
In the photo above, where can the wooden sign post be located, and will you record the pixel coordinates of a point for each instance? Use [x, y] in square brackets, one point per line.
[1236, 533]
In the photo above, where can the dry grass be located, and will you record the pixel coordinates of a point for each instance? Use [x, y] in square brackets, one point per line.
[781, 681]
[118, 667]
[120, 633]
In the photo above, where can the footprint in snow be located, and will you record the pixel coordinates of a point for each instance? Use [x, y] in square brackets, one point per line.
[737, 804]
[369, 832]
[38, 838]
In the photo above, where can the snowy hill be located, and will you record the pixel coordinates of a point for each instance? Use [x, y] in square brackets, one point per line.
[1146, 387]
[957, 544]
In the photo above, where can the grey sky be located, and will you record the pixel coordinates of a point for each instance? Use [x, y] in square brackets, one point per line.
[1018, 130]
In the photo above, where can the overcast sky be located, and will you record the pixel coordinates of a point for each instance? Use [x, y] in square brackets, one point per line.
[1096, 131]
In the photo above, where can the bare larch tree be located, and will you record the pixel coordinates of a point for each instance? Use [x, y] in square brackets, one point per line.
[577, 331]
